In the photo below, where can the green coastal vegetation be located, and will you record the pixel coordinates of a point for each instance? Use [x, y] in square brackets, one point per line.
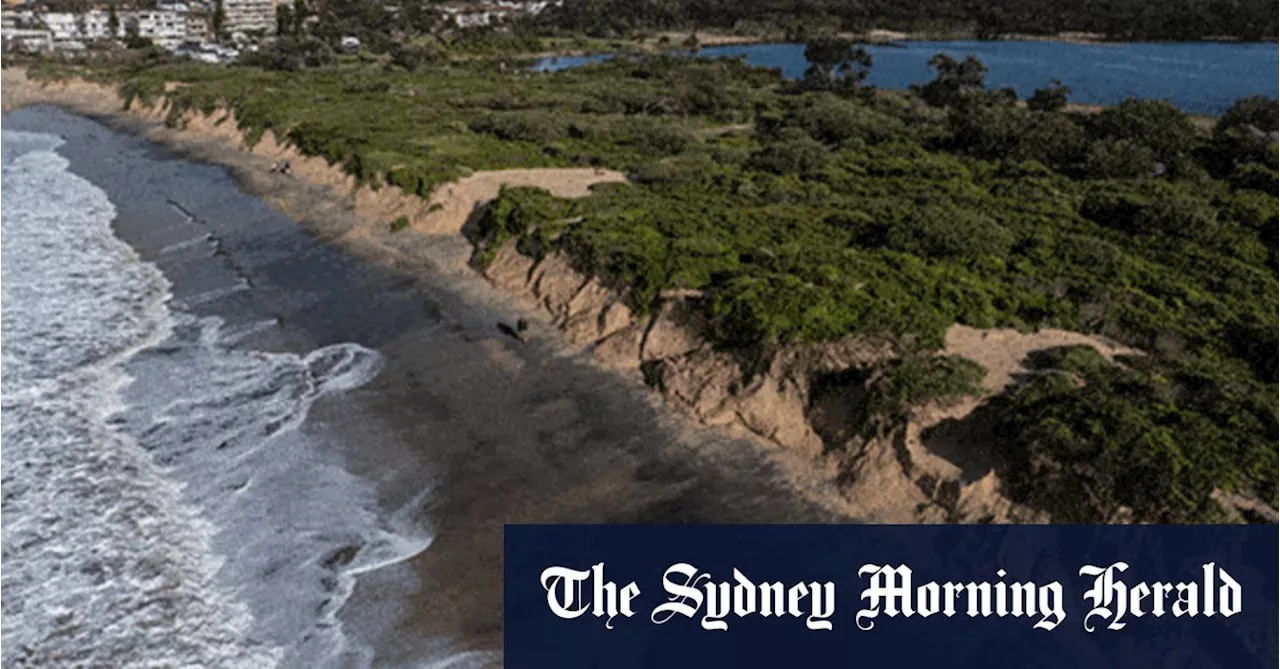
[822, 209]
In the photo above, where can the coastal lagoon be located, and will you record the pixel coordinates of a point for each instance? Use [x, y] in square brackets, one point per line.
[1199, 77]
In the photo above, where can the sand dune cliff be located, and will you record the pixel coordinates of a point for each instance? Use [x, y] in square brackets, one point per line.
[902, 478]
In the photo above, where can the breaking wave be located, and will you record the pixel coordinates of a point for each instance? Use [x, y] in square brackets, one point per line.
[162, 506]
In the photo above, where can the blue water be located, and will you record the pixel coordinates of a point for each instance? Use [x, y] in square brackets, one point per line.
[1199, 77]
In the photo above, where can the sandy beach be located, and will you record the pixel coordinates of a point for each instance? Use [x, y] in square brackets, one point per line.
[464, 429]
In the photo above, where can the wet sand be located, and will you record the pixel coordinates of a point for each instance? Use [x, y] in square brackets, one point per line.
[464, 430]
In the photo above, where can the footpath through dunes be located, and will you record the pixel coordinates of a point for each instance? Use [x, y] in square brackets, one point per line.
[950, 476]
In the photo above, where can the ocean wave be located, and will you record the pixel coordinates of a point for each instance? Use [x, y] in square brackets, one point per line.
[163, 503]
[104, 564]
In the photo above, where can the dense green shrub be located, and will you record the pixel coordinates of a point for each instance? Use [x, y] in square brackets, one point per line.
[896, 387]
[936, 232]
[1249, 132]
[290, 55]
[413, 56]
[989, 131]
[526, 126]
[1049, 99]
[833, 121]
[1251, 209]
[518, 213]
[1052, 139]
[792, 153]
[1252, 176]
[870, 216]
[1155, 124]
[1092, 437]
[1120, 159]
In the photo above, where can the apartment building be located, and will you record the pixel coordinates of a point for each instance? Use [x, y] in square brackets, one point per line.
[249, 16]
[90, 25]
[21, 30]
[161, 26]
[491, 12]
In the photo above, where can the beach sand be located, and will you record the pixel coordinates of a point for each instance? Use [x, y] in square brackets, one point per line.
[465, 429]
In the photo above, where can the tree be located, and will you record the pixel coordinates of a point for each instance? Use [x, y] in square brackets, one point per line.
[1119, 159]
[218, 22]
[793, 153]
[1050, 99]
[1155, 124]
[132, 39]
[289, 55]
[957, 82]
[1052, 139]
[835, 65]
[988, 131]
[113, 22]
[299, 17]
[412, 56]
[284, 20]
[1255, 111]
[835, 121]
[1245, 134]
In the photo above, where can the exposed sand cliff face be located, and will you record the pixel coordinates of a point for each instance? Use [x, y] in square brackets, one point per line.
[950, 477]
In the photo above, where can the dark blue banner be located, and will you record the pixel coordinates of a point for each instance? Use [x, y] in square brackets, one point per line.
[891, 596]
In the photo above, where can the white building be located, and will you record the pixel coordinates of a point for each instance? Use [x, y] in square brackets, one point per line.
[26, 39]
[249, 16]
[60, 24]
[14, 19]
[68, 26]
[21, 30]
[161, 26]
[490, 12]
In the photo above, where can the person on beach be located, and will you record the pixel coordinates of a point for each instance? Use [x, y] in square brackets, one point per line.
[519, 332]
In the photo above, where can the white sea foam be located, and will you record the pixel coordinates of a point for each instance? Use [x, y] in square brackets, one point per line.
[104, 565]
[196, 527]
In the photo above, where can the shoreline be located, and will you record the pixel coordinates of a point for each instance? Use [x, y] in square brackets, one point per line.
[440, 243]
[462, 431]
[898, 479]
[876, 37]
[216, 312]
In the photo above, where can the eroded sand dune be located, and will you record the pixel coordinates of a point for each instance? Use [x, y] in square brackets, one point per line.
[897, 479]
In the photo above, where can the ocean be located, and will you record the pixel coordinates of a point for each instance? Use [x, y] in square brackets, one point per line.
[113, 505]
